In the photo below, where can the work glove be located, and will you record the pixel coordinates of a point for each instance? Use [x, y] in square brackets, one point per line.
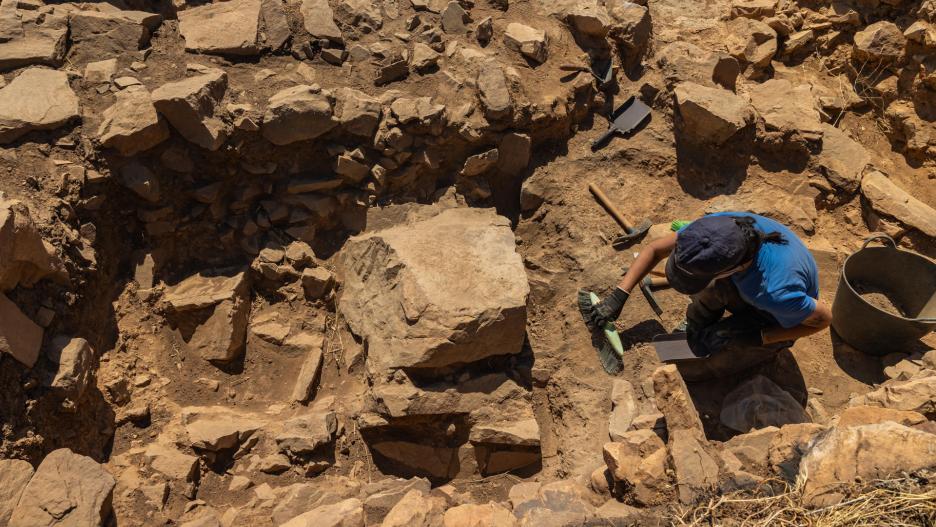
[714, 339]
[608, 310]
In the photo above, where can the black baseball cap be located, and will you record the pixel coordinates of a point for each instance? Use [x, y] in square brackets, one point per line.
[706, 248]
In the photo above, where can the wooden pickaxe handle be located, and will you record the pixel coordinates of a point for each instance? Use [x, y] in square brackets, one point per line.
[656, 281]
[612, 210]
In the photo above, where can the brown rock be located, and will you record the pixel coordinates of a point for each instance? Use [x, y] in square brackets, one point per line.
[356, 112]
[416, 510]
[14, 475]
[751, 42]
[711, 114]
[347, 513]
[752, 448]
[696, 470]
[843, 160]
[319, 20]
[41, 42]
[67, 490]
[19, 336]
[215, 428]
[383, 495]
[486, 515]
[225, 28]
[514, 153]
[37, 99]
[681, 61]
[870, 415]
[494, 92]
[297, 114]
[416, 329]
[226, 302]
[175, 465]
[311, 367]
[24, 256]
[131, 125]
[189, 105]
[880, 41]
[528, 41]
[788, 446]
[275, 24]
[756, 9]
[623, 409]
[887, 198]
[307, 433]
[672, 398]
[96, 34]
[867, 452]
[73, 362]
[787, 108]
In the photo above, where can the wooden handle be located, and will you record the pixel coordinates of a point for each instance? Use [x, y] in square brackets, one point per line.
[612, 210]
[656, 281]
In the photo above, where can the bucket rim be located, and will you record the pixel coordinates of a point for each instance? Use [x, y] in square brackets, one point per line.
[893, 246]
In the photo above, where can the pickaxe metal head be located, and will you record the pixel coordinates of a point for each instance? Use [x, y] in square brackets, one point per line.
[632, 237]
[648, 294]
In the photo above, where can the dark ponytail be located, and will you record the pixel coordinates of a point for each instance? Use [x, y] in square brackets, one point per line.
[756, 237]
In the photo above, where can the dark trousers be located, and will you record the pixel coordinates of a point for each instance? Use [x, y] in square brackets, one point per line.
[708, 308]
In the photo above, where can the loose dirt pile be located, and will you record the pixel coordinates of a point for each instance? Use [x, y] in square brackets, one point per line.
[883, 302]
[315, 262]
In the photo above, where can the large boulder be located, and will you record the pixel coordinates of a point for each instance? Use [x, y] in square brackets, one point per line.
[867, 452]
[189, 105]
[757, 403]
[843, 160]
[881, 41]
[131, 125]
[711, 114]
[41, 42]
[356, 112]
[297, 114]
[211, 313]
[20, 337]
[24, 257]
[889, 199]
[436, 291]
[37, 99]
[67, 490]
[223, 28]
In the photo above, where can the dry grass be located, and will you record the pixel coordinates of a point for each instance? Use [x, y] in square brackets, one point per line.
[907, 501]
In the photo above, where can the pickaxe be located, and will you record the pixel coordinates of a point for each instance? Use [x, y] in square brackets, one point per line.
[633, 234]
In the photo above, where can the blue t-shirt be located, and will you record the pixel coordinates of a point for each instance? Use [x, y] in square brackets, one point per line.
[783, 280]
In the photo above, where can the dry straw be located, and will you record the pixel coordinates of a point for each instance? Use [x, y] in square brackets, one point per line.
[906, 501]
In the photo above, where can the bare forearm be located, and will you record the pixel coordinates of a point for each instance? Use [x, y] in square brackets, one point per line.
[820, 319]
[648, 258]
[779, 334]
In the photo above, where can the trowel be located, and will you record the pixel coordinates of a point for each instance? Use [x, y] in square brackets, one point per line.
[673, 347]
[627, 118]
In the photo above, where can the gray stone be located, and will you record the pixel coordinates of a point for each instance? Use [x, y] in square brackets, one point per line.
[494, 91]
[758, 402]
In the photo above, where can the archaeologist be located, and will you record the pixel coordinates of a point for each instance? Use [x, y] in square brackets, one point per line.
[751, 266]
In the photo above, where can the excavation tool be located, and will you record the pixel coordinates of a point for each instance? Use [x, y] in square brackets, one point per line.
[610, 349]
[633, 233]
[673, 348]
[627, 117]
[647, 289]
[602, 70]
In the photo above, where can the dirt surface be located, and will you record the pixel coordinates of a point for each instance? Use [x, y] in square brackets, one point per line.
[236, 209]
[884, 302]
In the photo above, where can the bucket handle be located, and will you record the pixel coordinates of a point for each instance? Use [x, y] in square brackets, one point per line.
[879, 236]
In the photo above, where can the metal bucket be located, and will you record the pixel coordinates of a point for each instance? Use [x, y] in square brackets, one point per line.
[907, 278]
